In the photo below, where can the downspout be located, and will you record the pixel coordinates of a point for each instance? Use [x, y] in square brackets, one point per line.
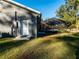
[16, 27]
[39, 20]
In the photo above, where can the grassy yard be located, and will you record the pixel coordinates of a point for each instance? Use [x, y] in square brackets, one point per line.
[59, 46]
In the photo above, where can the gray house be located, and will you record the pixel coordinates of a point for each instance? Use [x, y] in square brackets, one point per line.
[17, 19]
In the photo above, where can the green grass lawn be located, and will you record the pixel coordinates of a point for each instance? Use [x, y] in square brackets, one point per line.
[60, 46]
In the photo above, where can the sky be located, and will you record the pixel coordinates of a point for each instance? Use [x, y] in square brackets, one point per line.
[48, 8]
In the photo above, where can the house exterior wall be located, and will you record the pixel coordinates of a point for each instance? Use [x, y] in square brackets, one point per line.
[25, 19]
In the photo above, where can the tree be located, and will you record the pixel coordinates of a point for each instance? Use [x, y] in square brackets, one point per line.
[68, 12]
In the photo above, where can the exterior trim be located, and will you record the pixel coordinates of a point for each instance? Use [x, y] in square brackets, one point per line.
[22, 6]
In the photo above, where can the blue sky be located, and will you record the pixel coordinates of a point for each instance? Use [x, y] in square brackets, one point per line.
[46, 7]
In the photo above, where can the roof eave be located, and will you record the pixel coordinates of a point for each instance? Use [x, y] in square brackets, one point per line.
[22, 6]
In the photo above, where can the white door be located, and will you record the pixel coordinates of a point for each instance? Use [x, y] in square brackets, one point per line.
[25, 27]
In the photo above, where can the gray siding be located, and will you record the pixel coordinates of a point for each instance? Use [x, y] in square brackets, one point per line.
[24, 17]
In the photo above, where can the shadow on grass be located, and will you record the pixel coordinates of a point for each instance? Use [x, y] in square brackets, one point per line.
[68, 38]
[39, 51]
[76, 34]
[11, 44]
[72, 41]
[45, 50]
[4, 39]
[36, 51]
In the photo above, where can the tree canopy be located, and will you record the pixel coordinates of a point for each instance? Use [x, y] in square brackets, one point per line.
[69, 12]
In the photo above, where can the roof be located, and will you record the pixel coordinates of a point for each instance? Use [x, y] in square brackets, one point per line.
[20, 5]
